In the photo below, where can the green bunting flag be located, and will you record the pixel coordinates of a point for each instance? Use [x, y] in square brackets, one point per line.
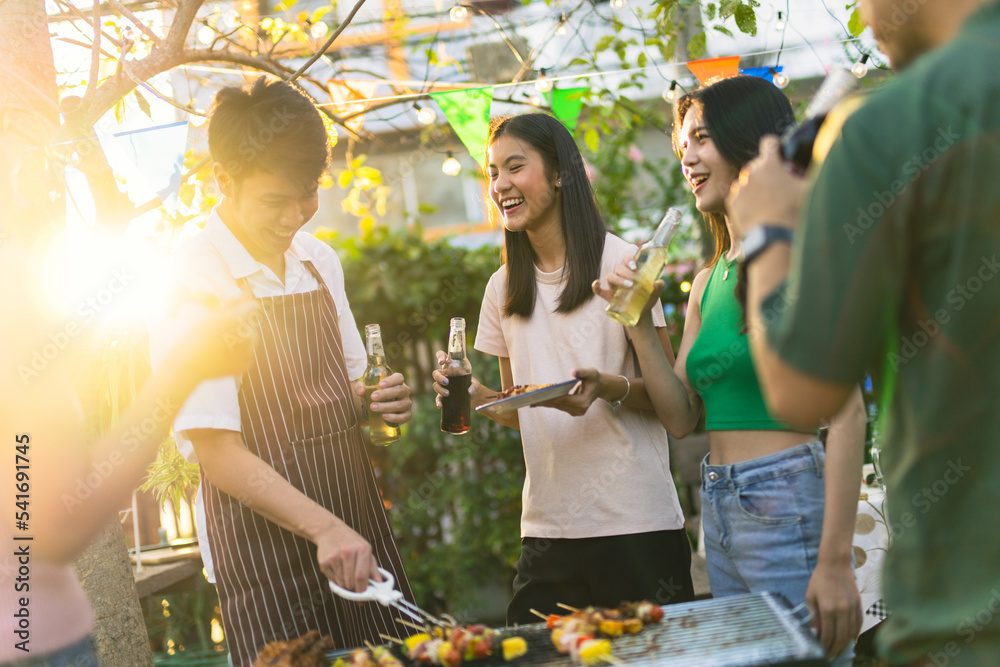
[468, 111]
[567, 104]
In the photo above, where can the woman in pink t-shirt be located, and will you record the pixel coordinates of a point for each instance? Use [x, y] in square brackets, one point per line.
[600, 522]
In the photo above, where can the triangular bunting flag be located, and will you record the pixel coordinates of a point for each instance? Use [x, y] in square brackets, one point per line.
[351, 97]
[714, 68]
[762, 72]
[468, 111]
[155, 154]
[567, 104]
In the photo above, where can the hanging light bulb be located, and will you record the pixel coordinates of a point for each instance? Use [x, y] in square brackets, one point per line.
[670, 93]
[205, 34]
[617, 4]
[543, 85]
[458, 13]
[425, 115]
[230, 20]
[561, 30]
[451, 166]
[535, 101]
[861, 67]
[780, 80]
[318, 30]
[779, 25]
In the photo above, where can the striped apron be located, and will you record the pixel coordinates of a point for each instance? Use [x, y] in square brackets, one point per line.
[298, 415]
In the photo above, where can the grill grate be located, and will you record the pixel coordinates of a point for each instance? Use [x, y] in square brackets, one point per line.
[737, 631]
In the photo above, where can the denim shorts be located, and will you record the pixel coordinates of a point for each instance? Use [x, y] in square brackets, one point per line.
[763, 519]
[80, 654]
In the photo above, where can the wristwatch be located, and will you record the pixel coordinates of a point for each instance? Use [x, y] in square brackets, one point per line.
[760, 239]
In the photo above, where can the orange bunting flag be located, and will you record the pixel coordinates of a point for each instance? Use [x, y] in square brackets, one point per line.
[710, 69]
[351, 97]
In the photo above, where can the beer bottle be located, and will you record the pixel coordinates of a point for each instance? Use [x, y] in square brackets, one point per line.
[380, 432]
[797, 141]
[627, 303]
[456, 407]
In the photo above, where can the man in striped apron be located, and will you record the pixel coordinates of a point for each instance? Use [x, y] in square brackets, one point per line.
[290, 498]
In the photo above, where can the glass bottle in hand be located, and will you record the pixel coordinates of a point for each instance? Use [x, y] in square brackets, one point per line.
[628, 302]
[797, 141]
[456, 407]
[380, 432]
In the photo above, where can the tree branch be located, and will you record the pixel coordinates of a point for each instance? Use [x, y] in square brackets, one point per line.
[136, 21]
[95, 56]
[329, 42]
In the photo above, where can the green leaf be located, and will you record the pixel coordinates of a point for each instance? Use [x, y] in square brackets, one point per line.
[641, 60]
[727, 8]
[724, 30]
[592, 139]
[603, 43]
[855, 25]
[746, 20]
[143, 104]
[696, 47]
[578, 61]
[710, 10]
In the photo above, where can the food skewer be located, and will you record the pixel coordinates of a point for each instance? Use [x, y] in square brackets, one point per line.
[421, 628]
[395, 640]
[567, 608]
[539, 614]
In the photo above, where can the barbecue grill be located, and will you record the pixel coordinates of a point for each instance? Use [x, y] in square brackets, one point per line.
[737, 631]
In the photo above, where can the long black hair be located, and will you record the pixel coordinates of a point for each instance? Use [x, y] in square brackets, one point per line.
[738, 111]
[582, 226]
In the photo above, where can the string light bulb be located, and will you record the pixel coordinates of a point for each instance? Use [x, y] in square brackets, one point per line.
[861, 67]
[425, 115]
[617, 4]
[458, 13]
[535, 101]
[318, 30]
[561, 30]
[205, 34]
[779, 25]
[451, 166]
[670, 94]
[780, 80]
[543, 85]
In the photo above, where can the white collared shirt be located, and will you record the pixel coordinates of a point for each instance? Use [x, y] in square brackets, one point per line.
[211, 263]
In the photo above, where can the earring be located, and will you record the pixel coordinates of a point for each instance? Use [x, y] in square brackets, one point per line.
[559, 183]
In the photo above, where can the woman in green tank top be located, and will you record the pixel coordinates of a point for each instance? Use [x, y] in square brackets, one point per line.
[767, 526]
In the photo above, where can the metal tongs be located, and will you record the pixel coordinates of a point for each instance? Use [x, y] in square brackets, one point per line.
[385, 593]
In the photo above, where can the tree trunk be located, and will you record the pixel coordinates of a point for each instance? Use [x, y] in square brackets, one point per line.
[106, 574]
[29, 117]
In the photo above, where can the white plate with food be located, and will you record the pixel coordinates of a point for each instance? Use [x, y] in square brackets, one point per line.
[525, 395]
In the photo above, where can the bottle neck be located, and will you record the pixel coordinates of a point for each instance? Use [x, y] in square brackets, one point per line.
[375, 349]
[456, 344]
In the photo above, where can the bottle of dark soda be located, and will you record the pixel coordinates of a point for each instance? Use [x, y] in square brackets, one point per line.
[380, 432]
[456, 407]
[797, 141]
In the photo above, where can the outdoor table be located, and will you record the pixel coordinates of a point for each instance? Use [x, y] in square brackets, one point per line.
[871, 539]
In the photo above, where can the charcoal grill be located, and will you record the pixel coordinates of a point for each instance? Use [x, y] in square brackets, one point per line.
[738, 631]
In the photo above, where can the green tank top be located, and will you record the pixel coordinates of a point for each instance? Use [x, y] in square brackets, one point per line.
[719, 365]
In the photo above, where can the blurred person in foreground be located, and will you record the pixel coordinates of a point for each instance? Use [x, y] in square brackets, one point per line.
[45, 618]
[894, 265]
[289, 495]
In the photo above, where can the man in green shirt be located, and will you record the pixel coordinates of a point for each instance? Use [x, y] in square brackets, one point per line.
[895, 266]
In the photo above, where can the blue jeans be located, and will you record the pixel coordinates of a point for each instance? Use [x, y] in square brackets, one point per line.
[81, 654]
[763, 520]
